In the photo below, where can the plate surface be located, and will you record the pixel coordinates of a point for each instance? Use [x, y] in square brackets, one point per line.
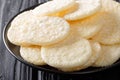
[14, 50]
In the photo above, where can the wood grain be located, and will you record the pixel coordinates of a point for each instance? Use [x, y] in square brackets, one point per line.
[10, 68]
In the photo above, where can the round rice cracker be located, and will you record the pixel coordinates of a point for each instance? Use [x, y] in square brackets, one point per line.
[110, 32]
[52, 8]
[88, 27]
[32, 55]
[108, 56]
[85, 9]
[23, 18]
[69, 53]
[39, 31]
[17, 26]
[96, 49]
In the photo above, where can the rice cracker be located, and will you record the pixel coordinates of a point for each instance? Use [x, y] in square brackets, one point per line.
[51, 8]
[85, 9]
[32, 55]
[69, 53]
[108, 56]
[110, 32]
[38, 31]
[96, 49]
[88, 27]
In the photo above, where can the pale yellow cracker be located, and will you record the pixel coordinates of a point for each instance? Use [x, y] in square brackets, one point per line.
[22, 18]
[32, 55]
[110, 32]
[38, 31]
[96, 49]
[86, 8]
[16, 30]
[108, 55]
[69, 53]
[88, 27]
[54, 7]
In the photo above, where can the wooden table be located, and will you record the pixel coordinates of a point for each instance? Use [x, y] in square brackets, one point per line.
[11, 69]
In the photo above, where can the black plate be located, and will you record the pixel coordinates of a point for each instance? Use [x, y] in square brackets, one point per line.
[14, 50]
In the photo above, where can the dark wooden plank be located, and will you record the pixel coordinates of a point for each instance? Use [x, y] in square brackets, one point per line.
[7, 60]
[10, 68]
